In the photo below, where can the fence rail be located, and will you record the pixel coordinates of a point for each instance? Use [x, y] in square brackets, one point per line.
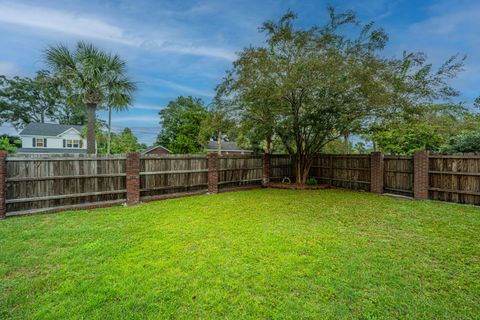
[31, 184]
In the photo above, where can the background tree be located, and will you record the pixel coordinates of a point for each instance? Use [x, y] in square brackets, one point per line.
[117, 108]
[181, 121]
[121, 143]
[125, 142]
[26, 100]
[91, 77]
[421, 128]
[465, 142]
[217, 126]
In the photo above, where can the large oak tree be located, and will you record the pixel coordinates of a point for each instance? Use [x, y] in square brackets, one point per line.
[308, 87]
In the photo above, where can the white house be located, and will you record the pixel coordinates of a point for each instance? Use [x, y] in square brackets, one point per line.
[52, 138]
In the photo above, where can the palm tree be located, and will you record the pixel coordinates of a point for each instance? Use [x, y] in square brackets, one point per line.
[93, 78]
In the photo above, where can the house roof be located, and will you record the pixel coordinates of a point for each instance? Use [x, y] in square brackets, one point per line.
[155, 147]
[51, 150]
[225, 146]
[47, 129]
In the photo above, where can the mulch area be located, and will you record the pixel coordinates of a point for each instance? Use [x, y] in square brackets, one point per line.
[293, 186]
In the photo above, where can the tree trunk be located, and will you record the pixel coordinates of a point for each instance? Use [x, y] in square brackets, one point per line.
[268, 148]
[302, 169]
[91, 116]
[109, 129]
[346, 143]
[219, 142]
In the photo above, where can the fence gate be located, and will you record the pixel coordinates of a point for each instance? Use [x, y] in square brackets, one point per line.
[398, 175]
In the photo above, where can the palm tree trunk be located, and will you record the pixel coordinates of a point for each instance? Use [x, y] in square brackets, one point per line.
[109, 129]
[91, 116]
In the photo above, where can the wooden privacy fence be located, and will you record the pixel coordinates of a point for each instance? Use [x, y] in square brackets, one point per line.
[454, 178]
[35, 184]
[30, 184]
[398, 175]
[161, 175]
[344, 171]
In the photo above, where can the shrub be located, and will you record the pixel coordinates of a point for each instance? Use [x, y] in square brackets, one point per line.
[465, 142]
[7, 146]
[311, 181]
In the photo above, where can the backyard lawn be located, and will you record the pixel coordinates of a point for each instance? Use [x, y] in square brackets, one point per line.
[255, 254]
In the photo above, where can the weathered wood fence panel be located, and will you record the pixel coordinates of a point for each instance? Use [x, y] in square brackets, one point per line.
[344, 171]
[41, 183]
[398, 175]
[239, 171]
[281, 166]
[455, 178]
[166, 174]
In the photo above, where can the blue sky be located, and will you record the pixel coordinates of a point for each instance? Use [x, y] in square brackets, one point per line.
[184, 47]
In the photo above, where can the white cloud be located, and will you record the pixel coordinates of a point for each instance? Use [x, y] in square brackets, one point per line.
[183, 89]
[8, 69]
[64, 22]
[89, 26]
[129, 119]
[454, 23]
[147, 107]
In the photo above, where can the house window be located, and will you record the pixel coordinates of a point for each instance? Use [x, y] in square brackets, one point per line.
[72, 143]
[39, 142]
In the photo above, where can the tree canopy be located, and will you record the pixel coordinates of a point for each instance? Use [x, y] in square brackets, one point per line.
[38, 99]
[311, 86]
[181, 123]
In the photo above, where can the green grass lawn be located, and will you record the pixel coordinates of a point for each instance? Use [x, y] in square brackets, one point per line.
[255, 254]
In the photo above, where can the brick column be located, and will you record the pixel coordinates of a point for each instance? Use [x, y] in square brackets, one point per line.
[133, 177]
[376, 172]
[3, 184]
[266, 170]
[420, 175]
[212, 172]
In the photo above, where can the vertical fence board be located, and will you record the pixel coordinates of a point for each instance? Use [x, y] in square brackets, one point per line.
[398, 175]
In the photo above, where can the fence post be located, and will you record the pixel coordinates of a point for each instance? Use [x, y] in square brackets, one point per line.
[133, 177]
[376, 172]
[420, 175]
[212, 172]
[266, 170]
[3, 184]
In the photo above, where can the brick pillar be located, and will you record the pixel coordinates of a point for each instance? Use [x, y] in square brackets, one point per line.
[420, 175]
[133, 178]
[3, 184]
[265, 170]
[212, 172]
[376, 172]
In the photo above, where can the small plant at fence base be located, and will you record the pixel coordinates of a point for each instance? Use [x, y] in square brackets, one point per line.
[312, 182]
